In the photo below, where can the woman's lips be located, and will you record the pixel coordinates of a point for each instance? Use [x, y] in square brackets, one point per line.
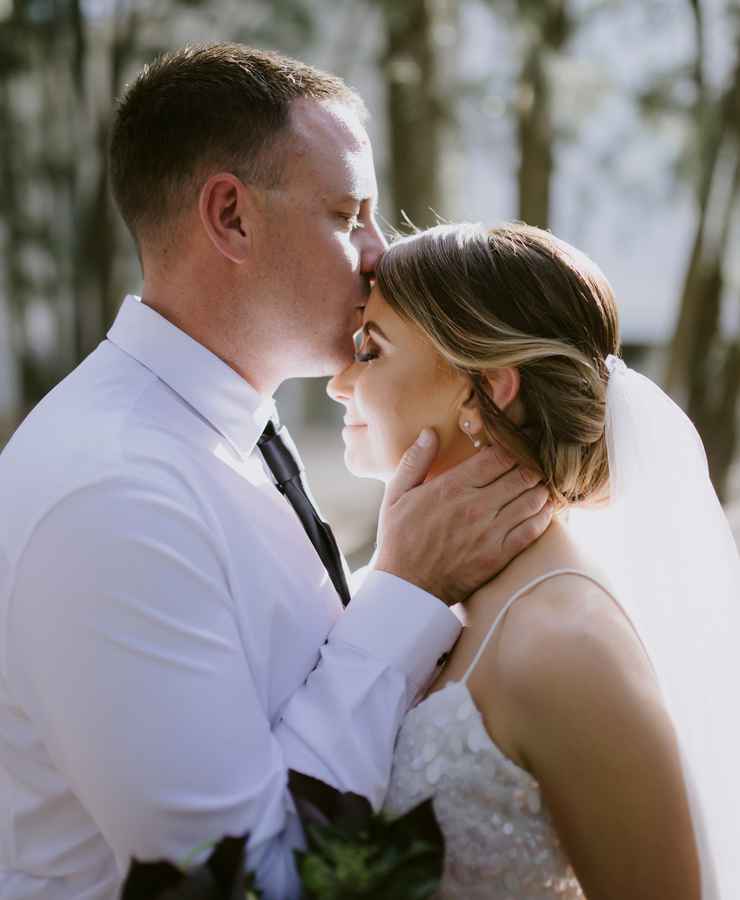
[351, 428]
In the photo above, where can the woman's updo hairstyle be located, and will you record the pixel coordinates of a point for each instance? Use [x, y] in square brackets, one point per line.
[518, 296]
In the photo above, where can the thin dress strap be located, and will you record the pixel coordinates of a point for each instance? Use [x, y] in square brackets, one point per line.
[528, 587]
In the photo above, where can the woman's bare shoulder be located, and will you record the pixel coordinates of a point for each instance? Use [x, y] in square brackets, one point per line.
[560, 613]
[567, 627]
[568, 646]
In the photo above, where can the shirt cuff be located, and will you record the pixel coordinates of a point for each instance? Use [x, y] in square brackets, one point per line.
[392, 619]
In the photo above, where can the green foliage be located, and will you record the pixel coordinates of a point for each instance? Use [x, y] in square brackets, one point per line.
[356, 853]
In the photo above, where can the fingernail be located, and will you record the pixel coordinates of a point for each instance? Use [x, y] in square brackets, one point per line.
[425, 438]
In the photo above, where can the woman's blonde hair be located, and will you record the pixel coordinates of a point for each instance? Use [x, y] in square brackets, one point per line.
[518, 296]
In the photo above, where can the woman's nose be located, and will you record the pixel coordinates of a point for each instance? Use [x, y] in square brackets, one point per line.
[341, 386]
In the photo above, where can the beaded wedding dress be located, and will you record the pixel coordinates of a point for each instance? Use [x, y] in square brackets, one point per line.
[500, 842]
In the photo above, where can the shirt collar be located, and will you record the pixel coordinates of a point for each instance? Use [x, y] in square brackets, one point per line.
[232, 406]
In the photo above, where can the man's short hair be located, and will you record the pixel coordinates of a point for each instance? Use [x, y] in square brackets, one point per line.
[204, 109]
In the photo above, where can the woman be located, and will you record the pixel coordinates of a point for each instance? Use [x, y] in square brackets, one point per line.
[578, 741]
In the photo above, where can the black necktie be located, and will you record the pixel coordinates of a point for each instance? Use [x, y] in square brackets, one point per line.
[287, 472]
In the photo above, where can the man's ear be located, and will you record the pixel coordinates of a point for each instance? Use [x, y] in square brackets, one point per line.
[225, 207]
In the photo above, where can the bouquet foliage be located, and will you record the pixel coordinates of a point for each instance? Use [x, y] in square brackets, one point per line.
[351, 853]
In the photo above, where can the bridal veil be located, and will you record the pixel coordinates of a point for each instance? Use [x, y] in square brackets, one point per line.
[667, 546]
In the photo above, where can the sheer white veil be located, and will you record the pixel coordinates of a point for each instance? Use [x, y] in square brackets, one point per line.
[666, 544]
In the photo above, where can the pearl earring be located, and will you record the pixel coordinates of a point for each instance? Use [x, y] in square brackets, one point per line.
[466, 426]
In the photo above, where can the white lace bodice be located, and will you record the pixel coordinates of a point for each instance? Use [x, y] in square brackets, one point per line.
[499, 837]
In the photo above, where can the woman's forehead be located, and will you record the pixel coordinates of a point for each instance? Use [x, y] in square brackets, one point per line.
[378, 310]
[397, 329]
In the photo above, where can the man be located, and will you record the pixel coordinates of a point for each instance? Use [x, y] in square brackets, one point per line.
[172, 642]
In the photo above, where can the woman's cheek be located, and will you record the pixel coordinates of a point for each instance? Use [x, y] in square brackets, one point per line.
[383, 400]
[400, 432]
[378, 435]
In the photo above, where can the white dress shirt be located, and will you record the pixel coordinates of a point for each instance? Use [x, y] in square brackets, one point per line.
[170, 642]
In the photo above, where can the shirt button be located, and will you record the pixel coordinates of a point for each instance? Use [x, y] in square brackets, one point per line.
[443, 659]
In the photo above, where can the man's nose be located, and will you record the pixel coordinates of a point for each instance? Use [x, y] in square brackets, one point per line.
[374, 247]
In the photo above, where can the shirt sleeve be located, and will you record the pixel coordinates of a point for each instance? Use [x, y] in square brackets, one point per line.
[126, 652]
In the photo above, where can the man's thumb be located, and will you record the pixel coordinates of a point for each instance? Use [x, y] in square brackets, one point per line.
[414, 466]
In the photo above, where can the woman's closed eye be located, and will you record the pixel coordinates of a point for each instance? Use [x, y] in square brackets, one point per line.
[352, 220]
[366, 350]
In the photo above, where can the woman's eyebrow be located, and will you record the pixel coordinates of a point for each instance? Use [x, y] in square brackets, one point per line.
[373, 326]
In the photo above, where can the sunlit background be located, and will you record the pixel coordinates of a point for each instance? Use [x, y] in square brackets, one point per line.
[616, 123]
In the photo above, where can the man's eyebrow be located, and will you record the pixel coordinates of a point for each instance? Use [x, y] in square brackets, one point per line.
[354, 197]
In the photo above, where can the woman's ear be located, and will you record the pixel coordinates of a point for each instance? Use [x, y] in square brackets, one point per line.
[504, 385]
[469, 419]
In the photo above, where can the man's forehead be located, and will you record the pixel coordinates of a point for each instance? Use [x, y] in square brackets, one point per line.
[359, 178]
[329, 153]
[333, 121]
[331, 136]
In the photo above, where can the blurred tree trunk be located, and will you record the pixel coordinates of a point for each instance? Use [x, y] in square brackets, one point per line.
[78, 104]
[18, 168]
[420, 38]
[97, 299]
[712, 374]
[36, 153]
[547, 27]
[703, 364]
[12, 216]
[711, 123]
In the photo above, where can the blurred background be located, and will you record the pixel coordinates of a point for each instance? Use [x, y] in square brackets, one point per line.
[615, 123]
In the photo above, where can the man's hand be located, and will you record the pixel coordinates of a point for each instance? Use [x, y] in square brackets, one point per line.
[457, 531]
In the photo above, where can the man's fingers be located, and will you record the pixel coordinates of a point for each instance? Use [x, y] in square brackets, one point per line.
[492, 498]
[482, 468]
[528, 531]
[414, 466]
[520, 510]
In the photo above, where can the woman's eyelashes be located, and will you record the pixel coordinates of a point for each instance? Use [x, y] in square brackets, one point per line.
[366, 357]
[366, 350]
[352, 220]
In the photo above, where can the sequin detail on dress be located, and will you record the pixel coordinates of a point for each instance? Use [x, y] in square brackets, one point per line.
[500, 840]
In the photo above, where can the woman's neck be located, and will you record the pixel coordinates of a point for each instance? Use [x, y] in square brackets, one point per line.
[556, 549]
